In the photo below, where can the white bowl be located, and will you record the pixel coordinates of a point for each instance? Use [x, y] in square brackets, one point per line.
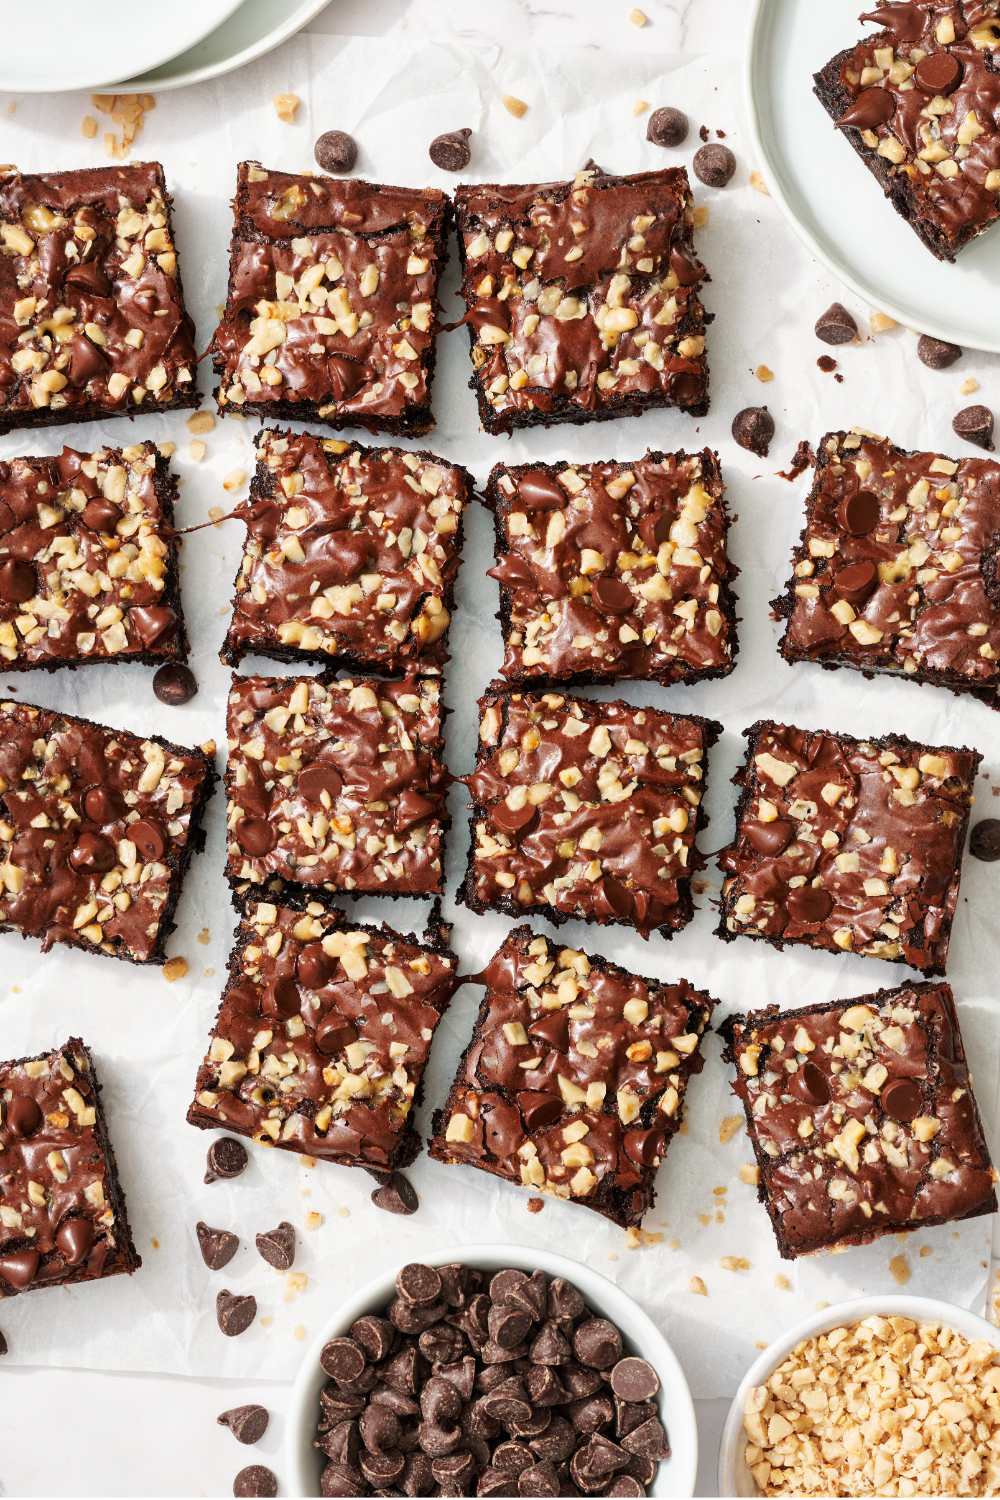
[674, 1476]
[734, 1476]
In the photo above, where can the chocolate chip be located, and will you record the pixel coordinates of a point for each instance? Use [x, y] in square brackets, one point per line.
[937, 354]
[513, 1457]
[334, 1033]
[634, 1379]
[648, 1441]
[714, 165]
[514, 572]
[565, 1302]
[418, 1284]
[247, 1424]
[836, 325]
[413, 808]
[612, 899]
[557, 1442]
[74, 1239]
[22, 1116]
[253, 1482]
[451, 151]
[809, 903]
[3, 1344]
[343, 1479]
[938, 73]
[860, 513]
[550, 1346]
[611, 596]
[396, 1196]
[379, 1428]
[318, 778]
[872, 107]
[624, 1484]
[496, 1482]
[256, 836]
[504, 1282]
[104, 805]
[603, 1456]
[343, 1360]
[413, 1320]
[217, 1246]
[314, 968]
[597, 1343]
[336, 151]
[86, 361]
[515, 822]
[375, 1336]
[277, 1246]
[655, 528]
[90, 278]
[975, 425]
[810, 1084]
[667, 127]
[753, 429]
[857, 582]
[455, 1469]
[281, 999]
[226, 1158]
[19, 1269]
[769, 839]
[540, 491]
[440, 1402]
[538, 1110]
[174, 684]
[442, 1344]
[92, 853]
[154, 624]
[985, 841]
[901, 1099]
[234, 1313]
[148, 838]
[531, 1296]
[18, 582]
[508, 1326]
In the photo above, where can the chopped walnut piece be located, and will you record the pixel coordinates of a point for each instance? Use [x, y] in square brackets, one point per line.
[515, 107]
[174, 968]
[285, 106]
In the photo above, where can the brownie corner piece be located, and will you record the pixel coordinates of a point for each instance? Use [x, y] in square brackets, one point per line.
[99, 828]
[351, 555]
[861, 1116]
[357, 1007]
[331, 312]
[910, 99]
[583, 298]
[64, 1219]
[537, 1102]
[89, 560]
[92, 318]
[337, 784]
[614, 571]
[895, 571]
[586, 811]
[848, 845]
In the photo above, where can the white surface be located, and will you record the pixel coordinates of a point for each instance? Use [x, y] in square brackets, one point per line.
[79, 58]
[766, 292]
[256, 28]
[674, 1476]
[833, 202]
[734, 1476]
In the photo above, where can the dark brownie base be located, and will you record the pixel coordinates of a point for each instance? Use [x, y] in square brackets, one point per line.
[97, 413]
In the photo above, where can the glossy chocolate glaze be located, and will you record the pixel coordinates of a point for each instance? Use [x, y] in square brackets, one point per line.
[872, 1157]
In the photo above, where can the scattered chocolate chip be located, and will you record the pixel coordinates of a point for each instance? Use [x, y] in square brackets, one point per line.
[451, 151]
[418, 1285]
[336, 151]
[19, 1269]
[975, 425]
[597, 1343]
[901, 1099]
[938, 73]
[74, 1239]
[104, 805]
[246, 1423]
[753, 429]
[22, 1116]
[18, 582]
[655, 528]
[810, 1085]
[314, 967]
[149, 838]
[714, 165]
[234, 1313]
[809, 903]
[174, 683]
[667, 127]
[836, 325]
[396, 1196]
[937, 354]
[255, 1483]
[611, 596]
[343, 1360]
[769, 838]
[872, 107]
[413, 808]
[226, 1158]
[860, 513]
[154, 624]
[93, 854]
[540, 491]
[985, 841]
[217, 1246]
[277, 1246]
[318, 778]
[515, 822]
[857, 582]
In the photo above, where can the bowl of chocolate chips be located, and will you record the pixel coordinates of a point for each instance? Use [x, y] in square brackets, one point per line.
[491, 1370]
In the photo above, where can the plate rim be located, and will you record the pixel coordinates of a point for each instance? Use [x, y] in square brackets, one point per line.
[757, 18]
[290, 26]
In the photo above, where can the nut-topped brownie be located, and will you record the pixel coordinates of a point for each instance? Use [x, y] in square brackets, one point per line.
[88, 560]
[336, 784]
[98, 828]
[332, 305]
[351, 554]
[861, 1116]
[92, 320]
[62, 1208]
[896, 569]
[846, 844]
[573, 1083]
[920, 103]
[613, 571]
[586, 810]
[583, 298]
[322, 1036]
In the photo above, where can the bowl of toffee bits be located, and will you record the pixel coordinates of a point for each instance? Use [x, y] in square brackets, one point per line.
[491, 1370]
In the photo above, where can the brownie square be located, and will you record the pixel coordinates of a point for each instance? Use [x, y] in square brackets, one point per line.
[586, 810]
[92, 320]
[918, 102]
[332, 305]
[845, 844]
[573, 1083]
[351, 554]
[336, 784]
[896, 569]
[861, 1116]
[98, 829]
[323, 1034]
[583, 298]
[614, 571]
[62, 1208]
[88, 560]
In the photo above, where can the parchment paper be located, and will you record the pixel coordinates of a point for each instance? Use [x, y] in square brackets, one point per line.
[148, 1035]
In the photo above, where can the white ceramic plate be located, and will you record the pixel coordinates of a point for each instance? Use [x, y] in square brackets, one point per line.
[734, 1476]
[255, 28]
[93, 43]
[675, 1476]
[830, 198]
